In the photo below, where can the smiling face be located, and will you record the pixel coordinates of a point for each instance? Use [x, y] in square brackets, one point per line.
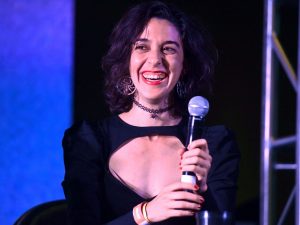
[156, 61]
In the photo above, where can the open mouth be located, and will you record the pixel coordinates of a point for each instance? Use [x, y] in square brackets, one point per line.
[154, 76]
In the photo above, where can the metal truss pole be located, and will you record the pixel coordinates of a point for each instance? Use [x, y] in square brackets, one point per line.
[272, 48]
[266, 115]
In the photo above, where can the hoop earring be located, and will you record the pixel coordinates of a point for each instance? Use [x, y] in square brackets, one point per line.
[125, 86]
[181, 89]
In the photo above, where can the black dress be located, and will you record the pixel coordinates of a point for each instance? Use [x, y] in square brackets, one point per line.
[96, 197]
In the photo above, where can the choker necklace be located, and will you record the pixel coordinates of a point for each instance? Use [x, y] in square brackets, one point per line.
[154, 112]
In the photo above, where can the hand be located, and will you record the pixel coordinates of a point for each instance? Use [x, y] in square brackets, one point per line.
[175, 201]
[198, 160]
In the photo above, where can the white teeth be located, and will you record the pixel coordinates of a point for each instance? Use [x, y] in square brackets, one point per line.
[157, 76]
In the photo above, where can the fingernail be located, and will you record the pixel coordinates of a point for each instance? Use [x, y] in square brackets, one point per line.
[196, 187]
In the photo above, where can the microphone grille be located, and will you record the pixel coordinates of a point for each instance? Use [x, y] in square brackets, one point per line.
[198, 106]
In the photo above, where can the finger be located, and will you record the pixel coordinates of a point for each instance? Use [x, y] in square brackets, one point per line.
[199, 143]
[203, 187]
[186, 196]
[179, 186]
[198, 153]
[185, 205]
[181, 151]
[197, 161]
[199, 171]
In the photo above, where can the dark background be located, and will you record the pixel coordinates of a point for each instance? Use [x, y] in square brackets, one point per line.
[237, 29]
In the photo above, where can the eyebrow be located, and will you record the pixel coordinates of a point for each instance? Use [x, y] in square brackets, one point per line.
[166, 42]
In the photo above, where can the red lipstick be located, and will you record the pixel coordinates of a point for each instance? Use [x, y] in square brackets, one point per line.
[153, 82]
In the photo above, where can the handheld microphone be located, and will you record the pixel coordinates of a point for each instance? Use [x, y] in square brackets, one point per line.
[198, 108]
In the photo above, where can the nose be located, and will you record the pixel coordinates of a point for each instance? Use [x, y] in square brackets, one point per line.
[155, 57]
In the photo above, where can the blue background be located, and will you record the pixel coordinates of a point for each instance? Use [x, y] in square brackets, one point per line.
[36, 54]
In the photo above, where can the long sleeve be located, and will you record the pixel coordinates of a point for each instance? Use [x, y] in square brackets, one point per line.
[83, 182]
[83, 174]
[222, 178]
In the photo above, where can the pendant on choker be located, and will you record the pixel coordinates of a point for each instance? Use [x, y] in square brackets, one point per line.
[154, 116]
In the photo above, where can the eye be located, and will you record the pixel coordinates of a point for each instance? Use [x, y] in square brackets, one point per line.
[169, 50]
[141, 47]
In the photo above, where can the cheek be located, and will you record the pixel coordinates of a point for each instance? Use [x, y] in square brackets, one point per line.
[177, 66]
[131, 65]
[135, 63]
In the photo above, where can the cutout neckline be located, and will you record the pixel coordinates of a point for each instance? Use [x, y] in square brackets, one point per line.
[158, 126]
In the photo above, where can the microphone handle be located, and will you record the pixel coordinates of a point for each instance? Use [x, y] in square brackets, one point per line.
[194, 132]
[188, 177]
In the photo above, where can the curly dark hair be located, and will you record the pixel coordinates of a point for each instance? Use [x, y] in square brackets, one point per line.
[200, 55]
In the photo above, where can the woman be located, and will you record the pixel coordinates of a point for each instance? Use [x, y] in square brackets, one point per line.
[126, 169]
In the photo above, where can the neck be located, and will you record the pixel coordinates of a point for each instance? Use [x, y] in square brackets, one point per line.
[150, 115]
[154, 112]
